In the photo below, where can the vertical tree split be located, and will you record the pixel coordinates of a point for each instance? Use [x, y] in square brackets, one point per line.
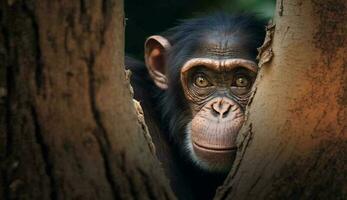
[69, 129]
[294, 143]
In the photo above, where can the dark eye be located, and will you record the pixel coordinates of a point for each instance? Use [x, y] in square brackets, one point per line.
[242, 81]
[200, 80]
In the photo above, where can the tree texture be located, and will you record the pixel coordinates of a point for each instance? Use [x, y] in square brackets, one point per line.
[69, 128]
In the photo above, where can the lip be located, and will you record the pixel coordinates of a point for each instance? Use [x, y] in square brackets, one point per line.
[214, 149]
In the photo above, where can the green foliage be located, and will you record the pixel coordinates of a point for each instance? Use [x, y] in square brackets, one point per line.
[144, 18]
[265, 8]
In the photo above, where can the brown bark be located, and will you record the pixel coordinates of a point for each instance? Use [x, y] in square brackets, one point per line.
[70, 129]
[294, 143]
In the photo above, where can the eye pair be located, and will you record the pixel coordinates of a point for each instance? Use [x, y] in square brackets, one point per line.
[200, 80]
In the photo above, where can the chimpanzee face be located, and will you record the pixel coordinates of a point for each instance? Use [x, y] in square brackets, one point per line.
[218, 91]
[215, 81]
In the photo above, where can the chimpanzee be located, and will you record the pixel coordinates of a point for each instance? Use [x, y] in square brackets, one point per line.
[194, 87]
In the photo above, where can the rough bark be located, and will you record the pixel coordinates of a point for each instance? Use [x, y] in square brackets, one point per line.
[70, 129]
[294, 143]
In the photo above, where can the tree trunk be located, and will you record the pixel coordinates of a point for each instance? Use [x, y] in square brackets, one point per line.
[70, 129]
[294, 143]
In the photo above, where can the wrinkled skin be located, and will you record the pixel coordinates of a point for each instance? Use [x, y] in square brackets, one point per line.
[217, 99]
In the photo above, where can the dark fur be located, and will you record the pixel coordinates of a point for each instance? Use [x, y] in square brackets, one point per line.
[168, 110]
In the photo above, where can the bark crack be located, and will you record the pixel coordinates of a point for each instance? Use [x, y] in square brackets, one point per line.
[128, 179]
[224, 191]
[280, 12]
[48, 165]
[9, 79]
[100, 133]
[132, 185]
[8, 132]
[39, 78]
[146, 183]
[265, 53]
[246, 141]
[142, 122]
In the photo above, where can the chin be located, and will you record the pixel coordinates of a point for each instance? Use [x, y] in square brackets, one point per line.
[209, 160]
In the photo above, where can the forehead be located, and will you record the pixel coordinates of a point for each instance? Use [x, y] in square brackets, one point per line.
[223, 45]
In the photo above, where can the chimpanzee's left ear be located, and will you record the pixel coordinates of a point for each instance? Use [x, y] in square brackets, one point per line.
[156, 48]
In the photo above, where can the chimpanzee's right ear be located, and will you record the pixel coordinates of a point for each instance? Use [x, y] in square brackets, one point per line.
[156, 48]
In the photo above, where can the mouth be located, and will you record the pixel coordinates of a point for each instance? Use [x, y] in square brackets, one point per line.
[221, 149]
[216, 158]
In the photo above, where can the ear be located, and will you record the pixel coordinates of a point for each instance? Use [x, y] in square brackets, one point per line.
[156, 47]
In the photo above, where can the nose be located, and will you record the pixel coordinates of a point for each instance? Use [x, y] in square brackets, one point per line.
[221, 108]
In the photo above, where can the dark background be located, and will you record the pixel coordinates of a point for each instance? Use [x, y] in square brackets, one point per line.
[148, 17]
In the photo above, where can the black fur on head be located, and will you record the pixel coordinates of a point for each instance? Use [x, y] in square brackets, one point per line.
[185, 40]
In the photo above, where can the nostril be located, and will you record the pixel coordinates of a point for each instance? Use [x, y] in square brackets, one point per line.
[215, 111]
[226, 112]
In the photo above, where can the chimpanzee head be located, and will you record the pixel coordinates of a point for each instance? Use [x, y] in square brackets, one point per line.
[206, 67]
